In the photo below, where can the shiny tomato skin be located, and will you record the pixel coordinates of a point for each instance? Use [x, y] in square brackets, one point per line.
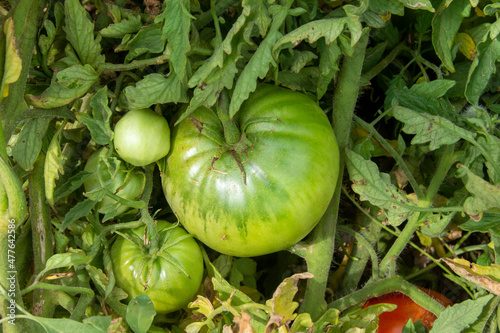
[171, 277]
[132, 190]
[142, 137]
[274, 194]
[394, 321]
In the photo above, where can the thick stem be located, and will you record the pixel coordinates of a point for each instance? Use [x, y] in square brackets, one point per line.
[27, 16]
[41, 229]
[232, 133]
[322, 247]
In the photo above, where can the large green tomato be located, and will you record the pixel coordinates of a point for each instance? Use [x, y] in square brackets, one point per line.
[142, 137]
[130, 187]
[263, 194]
[170, 277]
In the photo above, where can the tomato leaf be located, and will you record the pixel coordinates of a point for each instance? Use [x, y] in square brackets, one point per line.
[140, 313]
[129, 25]
[445, 26]
[468, 311]
[71, 258]
[71, 185]
[53, 165]
[176, 27]
[485, 195]
[99, 122]
[148, 40]
[66, 86]
[481, 70]
[63, 325]
[376, 187]
[258, 65]
[155, 89]
[29, 142]
[436, 130]
[282, 304]
[81, 209]
[80, 33]
[418, 4]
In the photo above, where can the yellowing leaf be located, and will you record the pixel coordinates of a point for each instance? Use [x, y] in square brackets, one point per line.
[467, 45]
[486, 277]
[13, 62]
[282, 304]
[53, 166]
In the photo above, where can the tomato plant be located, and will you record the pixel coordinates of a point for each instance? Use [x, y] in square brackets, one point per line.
[264, 192]
[125, 184]
[394, 321]
[170, 276]
[360, 137]
[142, 137]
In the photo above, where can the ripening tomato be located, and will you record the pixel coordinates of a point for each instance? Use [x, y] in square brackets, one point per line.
[170, 277]
[394, 321]
[264, 193]
[142, 137]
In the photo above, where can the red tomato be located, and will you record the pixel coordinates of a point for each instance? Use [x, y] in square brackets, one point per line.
[394, 321]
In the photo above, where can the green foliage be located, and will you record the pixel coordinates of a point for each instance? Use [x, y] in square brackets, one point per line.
[422, 157]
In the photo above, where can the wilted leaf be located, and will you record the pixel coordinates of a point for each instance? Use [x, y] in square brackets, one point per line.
[243, 323]
[467, 45]
[487, 277]
[282, 304]
[13, 63]
[53, 166]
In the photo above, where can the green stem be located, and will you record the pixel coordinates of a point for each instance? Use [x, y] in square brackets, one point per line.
[322, 247]
[374, 71]
[447, 159]
[232, 134]
[145, 216]
[368, 246]
[133, 64]
[399, 160]
[27, 15]
[355, 268]
[385, 286]
[41, 229]
[207, 17]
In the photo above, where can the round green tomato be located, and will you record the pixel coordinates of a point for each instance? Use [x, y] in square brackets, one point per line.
[263, 194]
[142, 137]
[117, 183]
[171, 277]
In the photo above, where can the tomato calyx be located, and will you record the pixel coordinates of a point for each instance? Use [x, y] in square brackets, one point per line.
[235, 143]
